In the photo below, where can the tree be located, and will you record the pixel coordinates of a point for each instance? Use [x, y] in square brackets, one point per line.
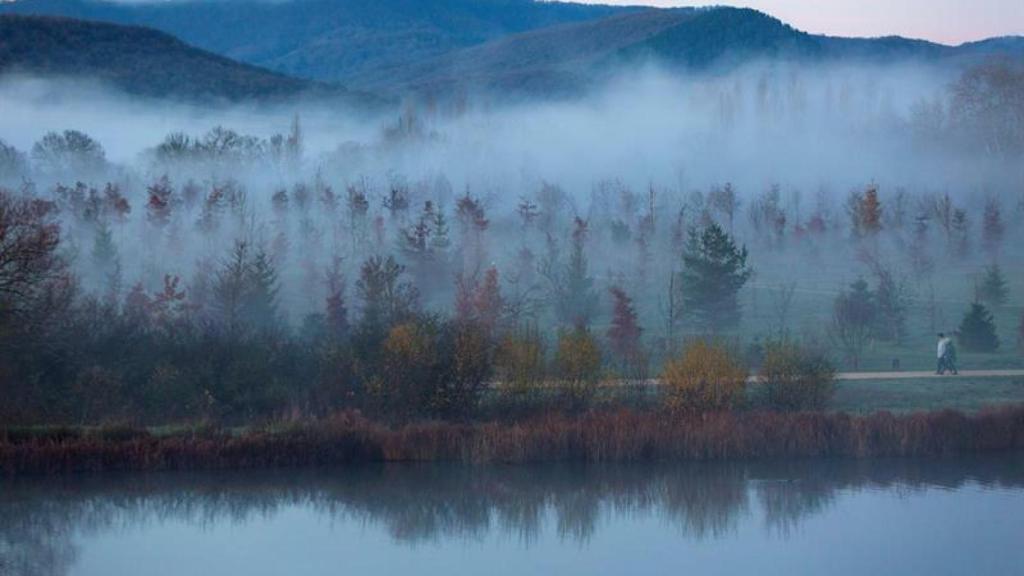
[520, 363]
[68, 152]
[12, 162]
[473, 222]
[854, 317]
[865, 212]
[624, 332]
[386, 299]
[337, 311]
[104, 251]
[992, 227]
[159, 205]
[704, 377]
[578, 359]
[714, 271]
[767, 216]
[29, 237]
[960, 233]
[890, 303]
[988, 106]
[977, 331]
[993, 290]
[578, 300]
[245, 291]
[723, 200]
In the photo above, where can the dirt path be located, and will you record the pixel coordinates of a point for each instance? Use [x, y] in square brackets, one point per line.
[909, 375]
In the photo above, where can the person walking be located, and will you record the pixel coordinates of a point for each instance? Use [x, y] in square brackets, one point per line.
[940, 353]
[946, 353]
[951, 356]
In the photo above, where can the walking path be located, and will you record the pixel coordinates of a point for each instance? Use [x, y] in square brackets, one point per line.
[908, 375]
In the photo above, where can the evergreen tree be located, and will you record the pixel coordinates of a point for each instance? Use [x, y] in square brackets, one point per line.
[104, 251]
[714, 272]
[959, 238]
[992, 227]
[993, 290]
[577, 300]
[978, 330]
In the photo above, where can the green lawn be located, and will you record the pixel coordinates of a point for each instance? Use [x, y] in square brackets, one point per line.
[966, 394]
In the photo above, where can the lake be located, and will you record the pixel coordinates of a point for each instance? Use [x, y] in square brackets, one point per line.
[933, 517]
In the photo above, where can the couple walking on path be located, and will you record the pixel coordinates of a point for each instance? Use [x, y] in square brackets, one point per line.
[946, 355]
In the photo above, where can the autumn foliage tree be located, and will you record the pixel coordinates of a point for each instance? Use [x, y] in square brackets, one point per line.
[865, 210]
[578, 361]
[705, 377]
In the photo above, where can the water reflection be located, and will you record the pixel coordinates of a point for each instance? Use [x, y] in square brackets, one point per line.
[40, 520]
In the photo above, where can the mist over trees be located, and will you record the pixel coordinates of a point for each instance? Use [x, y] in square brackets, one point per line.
[230, 276]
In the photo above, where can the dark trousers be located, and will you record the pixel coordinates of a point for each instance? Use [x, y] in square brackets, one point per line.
[946, 363]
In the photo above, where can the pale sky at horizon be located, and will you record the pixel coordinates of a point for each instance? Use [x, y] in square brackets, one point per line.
[946, 21]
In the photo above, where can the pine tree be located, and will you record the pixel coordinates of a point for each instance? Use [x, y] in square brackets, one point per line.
[577, 300]
[993, 290]
[978, 330]
[714, 271]
[104, 251]
[337, 311]
[992, 227]
[959, 233]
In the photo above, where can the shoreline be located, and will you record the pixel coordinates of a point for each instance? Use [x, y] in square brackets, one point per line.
[599, 436]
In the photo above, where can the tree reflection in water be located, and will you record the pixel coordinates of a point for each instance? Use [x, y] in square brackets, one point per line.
[419, 503]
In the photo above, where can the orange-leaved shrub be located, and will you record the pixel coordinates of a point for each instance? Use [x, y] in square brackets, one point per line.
[704, 377]
[578, 359]
[520, 365]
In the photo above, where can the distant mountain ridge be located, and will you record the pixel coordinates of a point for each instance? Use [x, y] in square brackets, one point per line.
[328, 40]
[565, 58]
[508, 47]
[139, 61]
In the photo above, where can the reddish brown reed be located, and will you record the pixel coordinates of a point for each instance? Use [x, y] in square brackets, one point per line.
[608, 436]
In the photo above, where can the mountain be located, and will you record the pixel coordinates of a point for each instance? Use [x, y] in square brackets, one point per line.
[328, 40]
[567, 58]
[557, 58]
[139, 61]
[443, 47]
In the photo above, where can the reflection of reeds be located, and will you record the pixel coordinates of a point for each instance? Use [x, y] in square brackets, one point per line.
[39, 517]
[611, 436]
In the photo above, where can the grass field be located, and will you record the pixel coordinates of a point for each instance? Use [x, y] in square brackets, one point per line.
[965, 394]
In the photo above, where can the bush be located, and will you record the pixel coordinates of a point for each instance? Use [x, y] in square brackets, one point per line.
[705, 377]
[796, 378]
[431, 368]
[579, 366]
[519, 365]
[466, 363]
[401, 384]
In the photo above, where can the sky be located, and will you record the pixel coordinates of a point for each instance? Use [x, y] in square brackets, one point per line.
[946, 21]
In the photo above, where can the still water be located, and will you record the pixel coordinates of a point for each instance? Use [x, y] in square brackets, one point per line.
[929, 517]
